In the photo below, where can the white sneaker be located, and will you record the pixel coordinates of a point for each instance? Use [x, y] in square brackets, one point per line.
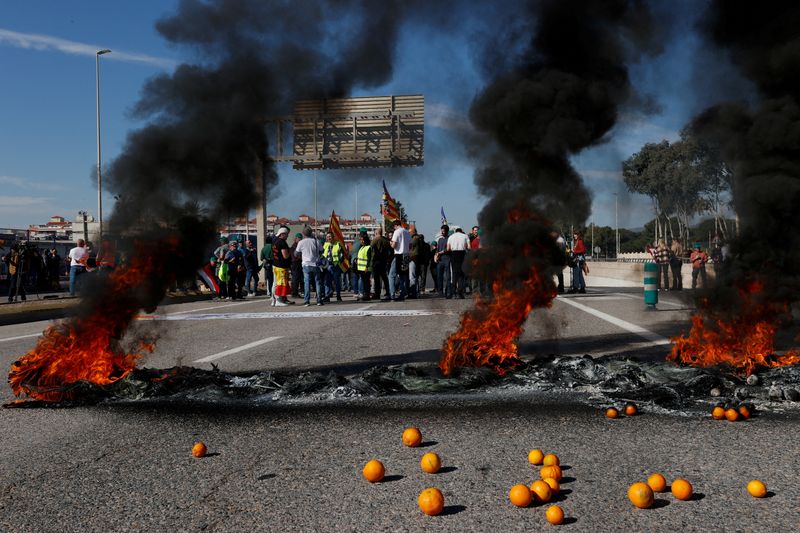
[278, 303]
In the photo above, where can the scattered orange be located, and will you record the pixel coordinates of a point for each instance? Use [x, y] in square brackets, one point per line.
[412, 437]
[551, 459]
[641, 495]
[199, 449]
[431, 501]
[520, 495]
[555, 515]
[744, 412]
[554, 486]
[541, 491]
[553, 471]
[430, 463]
[535, 456]
[373, 471]
[612, 412]
[657, 482]
[682, 489]
[732, 414]
[757, 489]
[718, 413]
[631, 409]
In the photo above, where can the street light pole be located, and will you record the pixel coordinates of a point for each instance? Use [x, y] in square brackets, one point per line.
[616, 221]
[97, 105]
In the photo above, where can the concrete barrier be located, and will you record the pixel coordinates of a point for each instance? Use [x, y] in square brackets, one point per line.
[624, 274]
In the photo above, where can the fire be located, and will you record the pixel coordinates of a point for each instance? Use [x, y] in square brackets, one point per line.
[487, 335]
[86, 348]
[745, 342]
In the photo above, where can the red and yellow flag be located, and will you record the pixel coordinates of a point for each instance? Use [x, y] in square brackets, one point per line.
[336, 230]
[390, 210]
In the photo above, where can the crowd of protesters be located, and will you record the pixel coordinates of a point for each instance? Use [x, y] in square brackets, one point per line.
[670, 261]
[377, 267]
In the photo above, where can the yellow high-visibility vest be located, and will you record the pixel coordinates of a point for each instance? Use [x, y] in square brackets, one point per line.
[335, 254]
[363, 264]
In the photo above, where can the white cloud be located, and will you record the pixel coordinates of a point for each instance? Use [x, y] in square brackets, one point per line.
[445, 117]
[600, 174]
[34, 41]
[12, 202]
[24, 183]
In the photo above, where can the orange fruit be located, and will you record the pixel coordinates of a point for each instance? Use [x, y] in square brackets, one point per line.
[412, 437]
[612, 412]
[553, 471]
[199, 449]
[554, 486]
[744, 412]
[732, 414]
[551, 459]
[541, 491]
[682, 489]
[520, 495]
[657, 482]
[631, 409]
[718, 413]
[535, 457]
[373, 471]
[430, 463]
[641, 495]
[555, 515]
[757, 489]
[431, 501]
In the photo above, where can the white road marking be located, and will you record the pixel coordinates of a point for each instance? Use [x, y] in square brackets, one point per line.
[365, 307]
[20, 337]
[298, 314]
[661, 302]
[212, 307]
[232, 351]
[654, 338]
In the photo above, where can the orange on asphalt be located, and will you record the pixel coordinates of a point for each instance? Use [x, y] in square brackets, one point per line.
[553, 471]
[612, 412]
[744, 411]
[657, 482]
[682, 489]
[551, 459]
[520, 495]
[431, 501]
[430, 462]
[412, 437]
[554, 486]
[631, 409]
[199, 449]
[641, 495]
[373, 471]
[535, 456]
[718, 413]
[732, 414]
[541, 491]
[555, 515]
[757, 489]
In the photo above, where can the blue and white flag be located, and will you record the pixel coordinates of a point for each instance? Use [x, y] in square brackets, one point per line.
[444, 218]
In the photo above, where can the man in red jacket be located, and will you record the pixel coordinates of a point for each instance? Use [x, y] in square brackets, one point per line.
[579, 259]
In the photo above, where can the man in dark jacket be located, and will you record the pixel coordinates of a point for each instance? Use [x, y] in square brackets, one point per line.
[381, 253]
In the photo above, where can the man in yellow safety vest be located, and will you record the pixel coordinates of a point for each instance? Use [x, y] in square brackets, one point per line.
[332, 251]
[364, 267]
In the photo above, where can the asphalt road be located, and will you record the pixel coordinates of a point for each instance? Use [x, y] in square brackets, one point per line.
[295, 466]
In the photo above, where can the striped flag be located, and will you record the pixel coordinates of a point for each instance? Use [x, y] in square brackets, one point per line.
[207, 276]
[338, 237]
[444, 218]
[390, 209]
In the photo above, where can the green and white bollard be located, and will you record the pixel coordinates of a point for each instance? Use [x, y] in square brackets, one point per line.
[650, 285]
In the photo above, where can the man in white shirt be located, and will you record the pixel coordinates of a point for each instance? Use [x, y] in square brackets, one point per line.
[77, 264]
[457, 245]
[310, 251]
[401, 240]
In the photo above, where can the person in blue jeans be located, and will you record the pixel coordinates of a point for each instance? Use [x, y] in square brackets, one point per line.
[77, 265]
[309, 250]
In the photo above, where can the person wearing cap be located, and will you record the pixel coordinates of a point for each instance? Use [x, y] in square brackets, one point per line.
[235, 278]
[354, 277]
[400, 243]
[363, 266]
[332, 251]
[281, 265]
[698, 259]
[252, 267]
[297, 266]
[457, 246]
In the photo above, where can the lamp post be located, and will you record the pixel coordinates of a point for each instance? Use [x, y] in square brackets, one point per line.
[97, 105]
[616, 222]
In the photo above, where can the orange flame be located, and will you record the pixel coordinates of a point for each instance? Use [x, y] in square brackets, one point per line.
[86, 348]
[487, 335]
[745, 342]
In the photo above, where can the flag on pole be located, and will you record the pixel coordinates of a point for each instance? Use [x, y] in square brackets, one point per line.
[390, 209]
[444, 218]
[336, 230]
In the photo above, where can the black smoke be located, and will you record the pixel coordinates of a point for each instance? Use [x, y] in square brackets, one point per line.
[559, 93]
[760, 141]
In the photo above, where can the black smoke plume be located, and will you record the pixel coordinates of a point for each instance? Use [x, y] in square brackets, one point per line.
[560, 94]
[760, 141]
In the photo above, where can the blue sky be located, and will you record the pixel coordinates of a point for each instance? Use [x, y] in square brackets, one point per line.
[47, 116]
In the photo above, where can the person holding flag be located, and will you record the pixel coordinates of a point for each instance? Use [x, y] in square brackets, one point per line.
[391, 211]
[335, 251]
